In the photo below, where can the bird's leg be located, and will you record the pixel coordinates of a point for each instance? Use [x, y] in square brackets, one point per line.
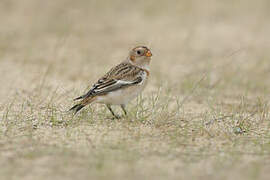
[109, 107]
[123, 108]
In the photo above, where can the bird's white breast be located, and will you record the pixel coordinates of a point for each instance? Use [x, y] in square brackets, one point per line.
[124, 95]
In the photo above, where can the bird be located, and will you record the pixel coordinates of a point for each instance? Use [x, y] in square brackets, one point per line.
[120, 84]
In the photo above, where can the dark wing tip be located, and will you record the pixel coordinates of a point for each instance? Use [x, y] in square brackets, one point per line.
[78, 98]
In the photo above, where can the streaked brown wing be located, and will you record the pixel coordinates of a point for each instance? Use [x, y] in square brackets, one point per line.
[118, 77]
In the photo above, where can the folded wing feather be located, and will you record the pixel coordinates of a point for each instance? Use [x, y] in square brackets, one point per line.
[113, 81]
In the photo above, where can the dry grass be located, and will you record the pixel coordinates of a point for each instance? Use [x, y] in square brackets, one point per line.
[206, 117]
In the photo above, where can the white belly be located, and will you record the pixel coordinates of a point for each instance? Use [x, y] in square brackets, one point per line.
[122, 96]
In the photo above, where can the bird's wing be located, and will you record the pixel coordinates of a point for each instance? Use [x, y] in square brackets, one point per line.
[118, 77]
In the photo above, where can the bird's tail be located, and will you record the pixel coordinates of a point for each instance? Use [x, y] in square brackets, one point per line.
[76, 108]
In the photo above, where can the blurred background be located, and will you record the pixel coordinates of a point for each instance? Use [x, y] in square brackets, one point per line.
[77, 41]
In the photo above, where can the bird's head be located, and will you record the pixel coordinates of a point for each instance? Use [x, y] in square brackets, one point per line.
[140, 56]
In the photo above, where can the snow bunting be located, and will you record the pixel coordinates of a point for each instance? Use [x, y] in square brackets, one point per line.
[121, 84]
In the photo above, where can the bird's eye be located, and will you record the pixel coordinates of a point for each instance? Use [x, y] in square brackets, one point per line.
[139, 52]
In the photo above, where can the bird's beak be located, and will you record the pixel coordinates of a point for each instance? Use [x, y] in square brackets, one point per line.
[148, 53]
